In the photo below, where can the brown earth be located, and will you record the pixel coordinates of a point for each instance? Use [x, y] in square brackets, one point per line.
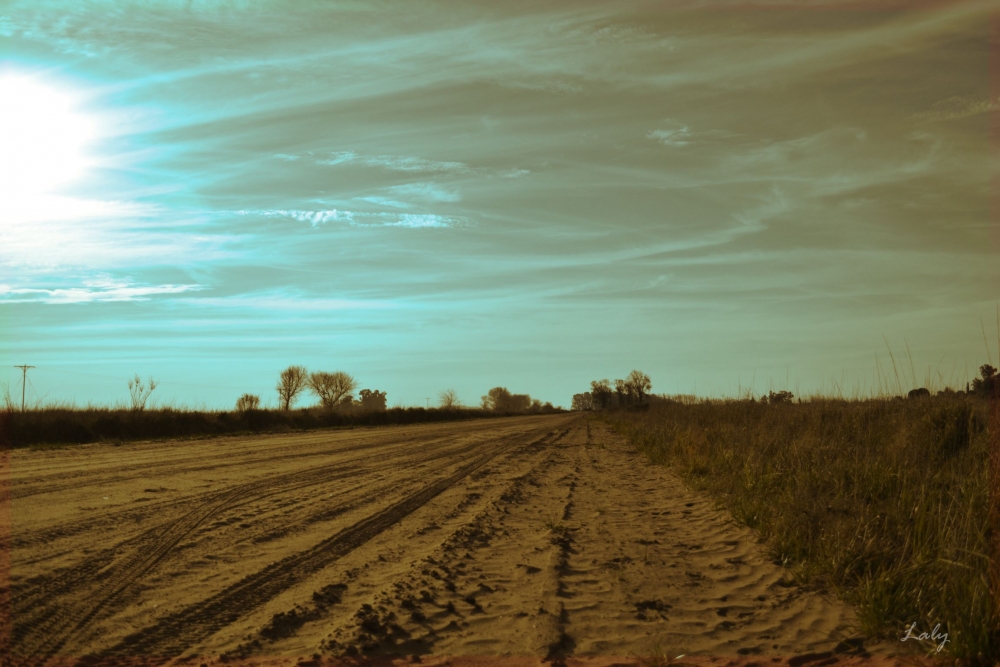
[510, 540]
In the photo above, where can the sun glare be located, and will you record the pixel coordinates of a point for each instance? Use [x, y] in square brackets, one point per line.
[43, 141]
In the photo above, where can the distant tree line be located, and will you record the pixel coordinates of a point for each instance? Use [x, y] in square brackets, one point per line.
[335, 392]
[603, 394]
[500, 399]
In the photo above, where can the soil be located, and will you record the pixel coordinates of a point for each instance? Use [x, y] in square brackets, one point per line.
[518, 540]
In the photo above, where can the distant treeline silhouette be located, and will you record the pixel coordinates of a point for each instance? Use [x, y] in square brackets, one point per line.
[337, 406]
[66, 425]
[632, 391]
[500, 399]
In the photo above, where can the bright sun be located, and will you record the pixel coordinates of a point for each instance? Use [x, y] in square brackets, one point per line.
[43, 141]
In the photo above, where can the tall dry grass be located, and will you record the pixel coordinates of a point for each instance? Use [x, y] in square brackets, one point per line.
[886, 502]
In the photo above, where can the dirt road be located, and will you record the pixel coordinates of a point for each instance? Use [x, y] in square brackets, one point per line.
[536, 536]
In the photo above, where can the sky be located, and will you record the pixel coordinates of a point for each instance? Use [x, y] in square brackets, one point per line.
[726, 196]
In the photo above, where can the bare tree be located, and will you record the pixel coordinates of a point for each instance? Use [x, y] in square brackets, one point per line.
[600, 390]
[621, 391]
[448, 399]
[139, 392]
[291, 382]
[248, 403]
[639, 385]
[332, 388]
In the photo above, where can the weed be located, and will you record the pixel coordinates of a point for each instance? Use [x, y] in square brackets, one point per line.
[885, 501]
[555, 525]
[659, 657]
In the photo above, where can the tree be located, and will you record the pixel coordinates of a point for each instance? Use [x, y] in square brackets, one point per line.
[600, 391]
[583, 401]
[448, 399]
[639, 385]
[139, 392]
[780, 397]
[372, 401]
[497, 399]
[989, 381]
[331, 388]
[247, 403]
[291, 382]
[621, 391]
[519, 403]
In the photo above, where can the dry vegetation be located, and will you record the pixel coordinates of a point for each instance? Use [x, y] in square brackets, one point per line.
[885, 501]
[64, 425]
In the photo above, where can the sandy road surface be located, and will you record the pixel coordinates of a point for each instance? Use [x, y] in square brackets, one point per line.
[536, 536]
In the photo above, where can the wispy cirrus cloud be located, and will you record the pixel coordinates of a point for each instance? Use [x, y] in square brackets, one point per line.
[957, 107]
[314, 218]
[359, 218]
[421, 221]
[102, 288]
[395, 162]
[430, 192]
[676, 135]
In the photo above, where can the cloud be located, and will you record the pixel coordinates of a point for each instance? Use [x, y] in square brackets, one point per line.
[339, 158]
[100, 289]
[394, 162]
[426, 192]
[359, 218]
[314, 218]
[678, 135]
[416, 221]
[955, 108]
[291, 300]
[384, 201]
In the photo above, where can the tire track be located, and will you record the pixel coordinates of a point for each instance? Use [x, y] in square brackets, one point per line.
[172, 635]
[38, 487]
[69, 528]
[38, 625]
[43, 627]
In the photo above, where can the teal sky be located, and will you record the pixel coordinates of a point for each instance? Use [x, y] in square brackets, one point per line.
[463, 195]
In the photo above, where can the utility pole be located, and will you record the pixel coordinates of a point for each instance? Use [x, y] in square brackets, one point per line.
[24, 376]
[428, 406]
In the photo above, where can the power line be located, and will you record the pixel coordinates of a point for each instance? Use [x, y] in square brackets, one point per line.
[24, 376]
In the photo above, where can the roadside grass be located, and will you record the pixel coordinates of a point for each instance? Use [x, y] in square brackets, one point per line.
[885, 502]
[59, 426]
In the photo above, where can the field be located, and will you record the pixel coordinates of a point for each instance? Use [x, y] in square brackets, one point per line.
[885, 501]
[539, 537]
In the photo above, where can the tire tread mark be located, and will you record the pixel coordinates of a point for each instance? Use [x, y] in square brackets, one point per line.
[180, 630]
[56, 630]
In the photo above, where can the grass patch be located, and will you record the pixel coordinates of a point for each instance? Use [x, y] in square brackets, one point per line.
[886, 502]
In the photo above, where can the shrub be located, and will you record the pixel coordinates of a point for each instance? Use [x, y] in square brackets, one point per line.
[247, 403]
